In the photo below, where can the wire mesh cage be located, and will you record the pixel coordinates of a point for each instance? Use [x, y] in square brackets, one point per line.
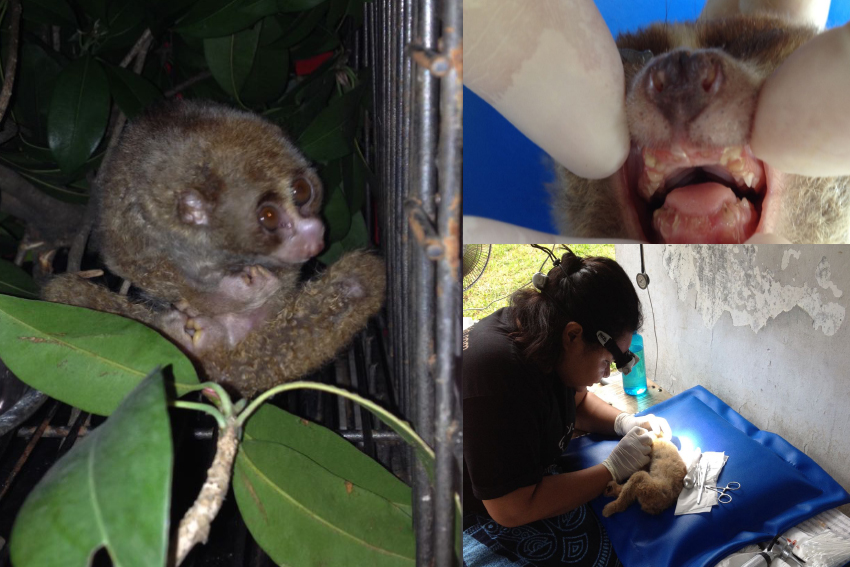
[408, 358]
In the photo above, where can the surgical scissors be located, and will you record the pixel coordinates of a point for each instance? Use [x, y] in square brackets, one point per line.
[722, 491]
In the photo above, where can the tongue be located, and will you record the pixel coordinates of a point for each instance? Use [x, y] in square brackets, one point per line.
[703, 199]
[707, 213]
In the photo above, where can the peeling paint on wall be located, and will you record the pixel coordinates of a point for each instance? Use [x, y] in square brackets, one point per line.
[730, 280]
[824, 274]
[786, 256]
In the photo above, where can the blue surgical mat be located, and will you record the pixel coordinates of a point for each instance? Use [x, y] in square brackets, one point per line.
[780, 487]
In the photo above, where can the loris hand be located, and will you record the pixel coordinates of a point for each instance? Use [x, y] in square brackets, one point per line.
[657, 425]
[630, 455]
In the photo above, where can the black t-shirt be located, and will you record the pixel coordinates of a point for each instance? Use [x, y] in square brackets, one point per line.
[516, 420]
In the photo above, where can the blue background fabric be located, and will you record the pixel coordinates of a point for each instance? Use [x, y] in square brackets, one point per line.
[504, 173]
[780, 487]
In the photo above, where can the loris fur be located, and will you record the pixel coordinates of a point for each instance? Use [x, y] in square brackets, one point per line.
[211, 212]
[655, 490]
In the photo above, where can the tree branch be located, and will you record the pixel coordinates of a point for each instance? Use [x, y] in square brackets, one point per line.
[78, 245]
[195, 525]
[141, 44]
[188, 83]
[12, 61]
[48, 219]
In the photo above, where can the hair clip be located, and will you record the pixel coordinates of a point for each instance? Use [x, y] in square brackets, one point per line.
[539, 280]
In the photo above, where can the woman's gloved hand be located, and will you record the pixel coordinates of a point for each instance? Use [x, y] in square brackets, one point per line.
[657, 425]
[630, 455]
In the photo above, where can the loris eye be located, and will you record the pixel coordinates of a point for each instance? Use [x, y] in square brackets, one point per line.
[269, 217]
[302, 192]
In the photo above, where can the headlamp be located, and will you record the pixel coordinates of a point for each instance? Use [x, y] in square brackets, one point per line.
[625, 361]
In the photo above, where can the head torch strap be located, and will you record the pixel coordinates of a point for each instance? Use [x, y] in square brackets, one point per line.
[625, 361]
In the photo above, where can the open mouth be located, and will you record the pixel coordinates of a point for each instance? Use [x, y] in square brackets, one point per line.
[686, 194]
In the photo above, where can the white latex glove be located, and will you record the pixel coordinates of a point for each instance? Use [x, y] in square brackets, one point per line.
[657, 425]
[630, 455]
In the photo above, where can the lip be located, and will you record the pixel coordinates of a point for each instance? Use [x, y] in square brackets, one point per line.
[689, 194]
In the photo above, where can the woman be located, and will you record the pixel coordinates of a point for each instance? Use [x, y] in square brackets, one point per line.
[526, 369]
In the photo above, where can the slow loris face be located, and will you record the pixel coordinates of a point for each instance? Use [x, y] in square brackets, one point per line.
[691, 94]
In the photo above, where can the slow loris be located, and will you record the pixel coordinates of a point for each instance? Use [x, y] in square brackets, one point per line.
[691, 93]
[655, 490]
[210, 212]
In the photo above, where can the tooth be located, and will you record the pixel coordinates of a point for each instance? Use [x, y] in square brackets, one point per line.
[748, 178]
[730, 153]
[649, 158]
[654, 176]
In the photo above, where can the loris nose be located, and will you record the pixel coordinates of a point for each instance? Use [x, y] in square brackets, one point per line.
[303, 240]
[309, 236]
[683, 83]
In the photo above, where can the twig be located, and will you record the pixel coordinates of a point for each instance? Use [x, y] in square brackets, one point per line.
[188, 83]
[141, 44]
[78, 246]
[9, 131]
[12, 61]
[49, 219]
[195, 525]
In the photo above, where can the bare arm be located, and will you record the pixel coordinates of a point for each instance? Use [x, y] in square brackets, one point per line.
[552, 496]
[595, 415]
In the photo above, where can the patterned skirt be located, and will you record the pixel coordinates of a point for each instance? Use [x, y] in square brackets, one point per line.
[575, 538]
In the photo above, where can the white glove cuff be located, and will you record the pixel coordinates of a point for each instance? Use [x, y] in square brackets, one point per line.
[611, 470]
[619, 429]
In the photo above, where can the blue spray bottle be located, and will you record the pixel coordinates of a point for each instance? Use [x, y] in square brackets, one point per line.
[634, 383]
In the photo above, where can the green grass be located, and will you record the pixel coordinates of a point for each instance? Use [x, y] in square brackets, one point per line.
[511, 267]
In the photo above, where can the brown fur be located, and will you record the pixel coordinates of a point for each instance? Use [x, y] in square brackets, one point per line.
[270, 330]
[752, 47]
[655, 490]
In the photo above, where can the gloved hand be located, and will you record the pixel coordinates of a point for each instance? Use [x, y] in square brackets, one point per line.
[630, 455]
[657, 425]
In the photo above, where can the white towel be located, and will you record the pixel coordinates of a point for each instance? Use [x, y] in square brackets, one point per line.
[687, 502]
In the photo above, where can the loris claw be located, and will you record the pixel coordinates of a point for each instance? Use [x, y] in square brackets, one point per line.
[210, 212]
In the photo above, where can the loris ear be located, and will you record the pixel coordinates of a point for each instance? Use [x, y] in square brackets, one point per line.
[193, 208]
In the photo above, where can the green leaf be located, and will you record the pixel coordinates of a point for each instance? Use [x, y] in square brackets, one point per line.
[358, 236]
[15, 281]
[95, 9]
[111, 490]
[79, 109]
[131, 92]
[311, 498]
[269, 74]
[321, 40]
[331, 134]
[123, 16]
[332, 253]
[88, 359]
[297, 5]
[337, 215]
[355, 172]
[50, 12]
[301, 27]
[230, 58]
[336, 11]
[38, 71]
[219, 18]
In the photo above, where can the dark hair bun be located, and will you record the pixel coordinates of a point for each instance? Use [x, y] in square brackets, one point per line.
[571, 262]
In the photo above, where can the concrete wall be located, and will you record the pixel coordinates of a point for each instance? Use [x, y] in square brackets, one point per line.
[763, 328]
